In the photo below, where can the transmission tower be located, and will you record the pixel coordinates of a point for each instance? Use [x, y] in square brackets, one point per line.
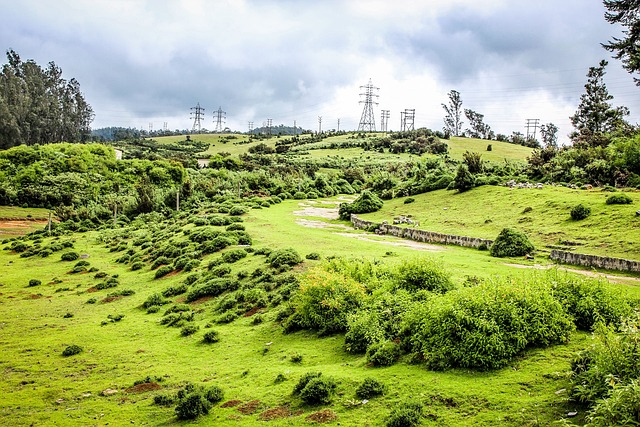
[295, 129]
[384, 120]
[164, 126]
[219, 116]
[250, 127]
[150, 127]
[338, 125]
[532, 123]
[319, 124]
[269, 122]
[367, 122]
[407, 119]
[197, 114]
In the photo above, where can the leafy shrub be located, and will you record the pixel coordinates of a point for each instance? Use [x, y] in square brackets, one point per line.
[367, 202]
[284, 257]
[71, 350]
[138, 265]
[194, 263]
[235, 227]
[189, 330]
[369, 388]
[164, 399]
[418, 274]
[580, 212]
[213, 288]
[296, 358]
[300, 195]
[174, 290]
[211, 337]
[34, 282]
[233, 255]
[510, 243]
[620, 406]
[227, 317]
[69, 256]
[177, 308]
[214, 394]
[363, 330]
[162, 260]
[383, 353]
[464, 179]
[237, 210]
[318, 390]
[313, 256]
[304, 380]
[154, 299]
[406, 414]
[619, 199]
[163, 271]
[409, 200]
[220, 271]
[192, 405]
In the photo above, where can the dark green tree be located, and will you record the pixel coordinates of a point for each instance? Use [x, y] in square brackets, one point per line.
[627, 49]
[453, 120]
[549, 134]
[478, 129]
[595, 115]
[464, 180]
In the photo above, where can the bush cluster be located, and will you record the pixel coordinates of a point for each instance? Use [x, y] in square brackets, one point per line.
[367, 202]
[315, 389]
[619, 199]
[510, 243]
[580, 212]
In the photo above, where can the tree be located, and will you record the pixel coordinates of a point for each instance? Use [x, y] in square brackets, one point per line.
[464, 180]
[452, 120]
[478, 128]
[549, 134]
[38, 106]
[595, 115]
[627, 49]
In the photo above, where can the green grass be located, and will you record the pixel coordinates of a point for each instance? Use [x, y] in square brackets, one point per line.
[542, 214]
[500, 152]
[41, 387]
[15, 221]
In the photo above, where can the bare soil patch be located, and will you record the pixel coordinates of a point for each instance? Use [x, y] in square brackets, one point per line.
[610, 277]
[251, 312]
[142, 388]
[324, 416]
[328, 213]
[111, 299]
[231, 403]
[309, 223]
[249, 407]
[275, 413]
[201, 300]
[399, 242]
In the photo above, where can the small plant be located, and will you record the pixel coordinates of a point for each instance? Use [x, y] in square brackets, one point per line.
[72, 350]
[406, 414]
[318, 390]
[296, 358]
[510, 243]
[163, 271]
[367, 202]
[211, 337]
[619, 199]
[284, 257]
[369, 388]
[34, 282]
[233, 255]
[580, 212]
[154, 299]
[383, 353]
[409, 200]
[192, 406]
[67, 315]
[91, 301]
[138, 265]
[300, 195]
[313, 256]
[189, 330]
[69, 256]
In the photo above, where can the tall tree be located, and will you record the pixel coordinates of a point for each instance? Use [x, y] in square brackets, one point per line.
[478, 129]
[453, 118]
[549, 134]
[627, 49]
[38, 106]
[595, 115]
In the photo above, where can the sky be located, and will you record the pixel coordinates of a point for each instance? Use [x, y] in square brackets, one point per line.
[147, 63]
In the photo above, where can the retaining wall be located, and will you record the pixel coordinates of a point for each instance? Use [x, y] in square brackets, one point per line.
[595, 261]
[421, 235]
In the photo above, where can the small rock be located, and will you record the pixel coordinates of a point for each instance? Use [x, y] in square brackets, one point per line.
[562, 390]
[109, 392]
[572, 414]
[269, 343]
[59, 401]
[637, 213]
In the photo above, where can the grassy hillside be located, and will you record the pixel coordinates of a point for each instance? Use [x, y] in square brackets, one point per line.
[543, 214]
[500, 151]
[15, 221]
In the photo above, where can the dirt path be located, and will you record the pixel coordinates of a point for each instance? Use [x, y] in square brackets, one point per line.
[396, 242]
[328, 213]
[610, 277]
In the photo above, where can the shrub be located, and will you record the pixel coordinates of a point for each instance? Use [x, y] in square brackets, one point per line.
[284, 257]
[235, 227]
[72, 350]
[189, 330]
[34, 282]
[192, 405]
[580, 212]
[213, 288]
[409, 200]
[227, 317]
[406, 414]
[154, 299]
[220, 271]
[163, 271]
[296, 358]
[69, 256]
[138, 265]
[237, 210]
[369, 388]
[383, 353]
[214, 394]
[174, 290]
[367, 202]
[318, 390]
[363, 330]
[464, 179]
[510, 243]
[162, 260]
[189, 266]
[211, 337]
[233, 255]
[313, 256]
[164, 399]
[418, 274]
[300, 195]
[304, 380]
[619, 199]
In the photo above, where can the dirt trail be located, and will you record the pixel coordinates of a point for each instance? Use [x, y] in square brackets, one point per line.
[610, 277]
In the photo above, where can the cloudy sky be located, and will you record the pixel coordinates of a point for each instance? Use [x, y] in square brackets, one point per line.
[142, 62]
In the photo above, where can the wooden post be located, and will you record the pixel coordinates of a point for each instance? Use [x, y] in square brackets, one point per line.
[49, 223]
[178, 201]
[115, 214]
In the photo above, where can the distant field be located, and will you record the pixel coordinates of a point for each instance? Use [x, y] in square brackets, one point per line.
[16, 221]
[500, 151]
[611, 230]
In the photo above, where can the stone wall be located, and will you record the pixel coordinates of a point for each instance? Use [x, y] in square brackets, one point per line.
[421, 235]
[595, 261]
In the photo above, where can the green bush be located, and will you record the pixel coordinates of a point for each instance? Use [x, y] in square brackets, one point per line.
[154, 299]
[211, 337]
[212, 288]
[363, 330]
[34, 282]
[406, 414]
[369, 388]
[192, 405]
[409, 200]
[619, 199]
[304, 380]
[163, 271]
[383, 353]
[228, 317]
[235, 227]
[69, 256]
[367, 202]
[580, 212]
[423, 274]
[464, 179]
[300, 195]
[71, 350]
[138, 265]
[313, 256]
[237, 210]
[620, 406]
[511, 243]
[284, 257]
[175, 290]
[189, 330]
[318, 390]
[233, 255]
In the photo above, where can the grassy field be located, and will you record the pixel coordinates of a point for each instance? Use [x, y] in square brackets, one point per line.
[40, 387]
[15, 221]
[543, 214]
[500, 151]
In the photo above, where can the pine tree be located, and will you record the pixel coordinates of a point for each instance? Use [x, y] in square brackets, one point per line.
[627, 49]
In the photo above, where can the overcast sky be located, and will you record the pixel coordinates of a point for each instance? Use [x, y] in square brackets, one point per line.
[142, 62]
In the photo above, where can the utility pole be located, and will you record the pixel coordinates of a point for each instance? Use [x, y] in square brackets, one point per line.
[319, 125]
[384, 122]
[219, 117]
[197, 114]
[178, 200]
[367, 121]
[150, 127]
[338, 124]
[295, 129]
[250, 127]
[269, 122]
[532, 123]
[164, 126]
[407, 119]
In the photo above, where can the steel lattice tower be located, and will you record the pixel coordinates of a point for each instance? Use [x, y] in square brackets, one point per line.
[367, 121]
[197, 114]
[220, 117]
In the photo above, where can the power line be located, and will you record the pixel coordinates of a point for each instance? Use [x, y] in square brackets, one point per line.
[384, 120]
